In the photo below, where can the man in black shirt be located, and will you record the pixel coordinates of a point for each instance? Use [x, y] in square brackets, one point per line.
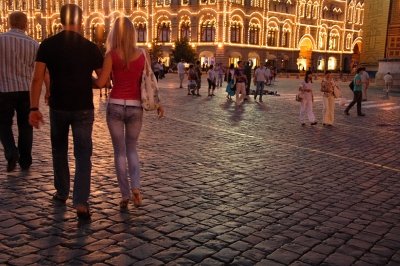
[70, 60]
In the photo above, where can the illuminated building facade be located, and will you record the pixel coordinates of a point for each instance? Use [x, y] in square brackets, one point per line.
[290, 34]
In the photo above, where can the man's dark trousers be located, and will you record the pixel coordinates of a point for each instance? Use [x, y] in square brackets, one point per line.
[18, 102]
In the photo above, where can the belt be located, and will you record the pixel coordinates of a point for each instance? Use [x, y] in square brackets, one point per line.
[123, 102]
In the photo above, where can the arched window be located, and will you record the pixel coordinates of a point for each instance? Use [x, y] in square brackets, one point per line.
[164, 32]
[185, 30]
[56, 28]
[141, 32]
[236, 29]
[302, 8]
[350, 14]
[357, 16]
[38, 4]
[285, 36]
[254, 33]
[207, 31]
[322, 39]
[334, 40]
[256, 3]
[272, 36]
[315, 10]
[309, 9]
[39, 32]
[332, 63]
[348, 41]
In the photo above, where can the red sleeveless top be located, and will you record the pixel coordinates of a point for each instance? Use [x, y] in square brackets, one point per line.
[126, 81]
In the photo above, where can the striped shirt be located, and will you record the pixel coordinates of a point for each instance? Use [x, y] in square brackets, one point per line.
[17, 59]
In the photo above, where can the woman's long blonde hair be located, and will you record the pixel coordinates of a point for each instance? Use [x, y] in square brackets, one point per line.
[123, 38]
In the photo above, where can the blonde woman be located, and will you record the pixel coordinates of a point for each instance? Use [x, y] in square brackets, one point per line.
[328, 110]
[125, 62]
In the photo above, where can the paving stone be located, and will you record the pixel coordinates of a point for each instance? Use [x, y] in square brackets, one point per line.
[198, 254]
[255, 254]
[211, 262]
[144, 251]
[226, 255]
[95, 257]
[283, 256]
[382, 251]
[25, 260]
[240, 261]
[100, 244]
[170, 254]
[339, 259]
[312, 258]
[269, 263]
[374, 259]
[149, 261]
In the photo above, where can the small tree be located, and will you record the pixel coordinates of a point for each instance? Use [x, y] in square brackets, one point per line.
[184, 51]
[155, 51]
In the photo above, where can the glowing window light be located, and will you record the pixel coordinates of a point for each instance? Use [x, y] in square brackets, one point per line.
[332, 63]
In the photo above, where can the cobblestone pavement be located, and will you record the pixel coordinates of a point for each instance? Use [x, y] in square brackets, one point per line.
[223, 186]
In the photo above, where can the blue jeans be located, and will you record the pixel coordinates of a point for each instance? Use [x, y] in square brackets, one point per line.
[125, 123]
[259, 89]
[81, 123]
[18, 102]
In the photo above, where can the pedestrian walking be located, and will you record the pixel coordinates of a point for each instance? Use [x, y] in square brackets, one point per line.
[192, 80]
[388, 82]
[260, 79]
[269, 75]
[220, 74]
[124, 115]
[197, 69]
[307, 101]
[247, 72]
[212, 78]
[230, 88]
[365, 83]
[357, 94]
[181, 72]
[328, 109]
[17, 58]
[240, 81]
[70, 59]
[157, 69]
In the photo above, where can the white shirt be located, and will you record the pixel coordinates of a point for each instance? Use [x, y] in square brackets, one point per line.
[388, 78]
[17, 59]
[364, 77]
[211, 75]
[260, 74]
[181, 68]
[268, 71]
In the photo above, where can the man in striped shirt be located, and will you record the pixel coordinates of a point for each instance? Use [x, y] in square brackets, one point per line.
[17, 58]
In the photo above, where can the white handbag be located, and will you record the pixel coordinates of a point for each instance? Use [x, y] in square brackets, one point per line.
[149, 87]
[337, 93]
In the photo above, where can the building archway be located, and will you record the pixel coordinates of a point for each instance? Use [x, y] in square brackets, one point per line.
[355, 58]
[254, 58]
[207, 58]
[234, 57]
[304, 60]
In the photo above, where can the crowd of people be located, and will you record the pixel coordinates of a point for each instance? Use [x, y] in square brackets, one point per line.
[239, 80]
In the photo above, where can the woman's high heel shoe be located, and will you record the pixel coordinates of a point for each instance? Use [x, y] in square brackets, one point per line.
[136, 197]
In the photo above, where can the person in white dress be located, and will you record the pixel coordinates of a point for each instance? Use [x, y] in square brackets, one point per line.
[306, 104]
[388, 82]
[181, 72]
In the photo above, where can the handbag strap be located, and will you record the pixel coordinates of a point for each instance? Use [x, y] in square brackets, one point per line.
[146, 62]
